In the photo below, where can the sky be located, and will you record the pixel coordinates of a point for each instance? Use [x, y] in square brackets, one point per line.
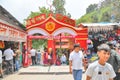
[20, 9]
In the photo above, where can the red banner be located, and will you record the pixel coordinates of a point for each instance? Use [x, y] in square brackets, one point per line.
[65, 19]
[35, 20]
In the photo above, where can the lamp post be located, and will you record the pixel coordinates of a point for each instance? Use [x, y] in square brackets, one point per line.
[60, 44]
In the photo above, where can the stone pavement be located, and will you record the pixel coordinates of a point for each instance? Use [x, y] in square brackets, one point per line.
[42, 73]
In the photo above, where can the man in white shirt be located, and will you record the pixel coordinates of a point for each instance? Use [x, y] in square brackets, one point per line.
[1, 72]
[33, 56]
[75, 62]
[101, 70]
[63, 59]
[8, 53]
[0, 56]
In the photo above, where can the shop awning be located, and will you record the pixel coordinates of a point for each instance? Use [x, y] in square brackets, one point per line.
[8, 32]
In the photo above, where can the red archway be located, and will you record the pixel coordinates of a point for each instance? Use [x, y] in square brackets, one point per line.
[53, 25]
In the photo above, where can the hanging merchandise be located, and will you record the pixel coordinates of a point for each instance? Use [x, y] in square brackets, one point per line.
[2, 45]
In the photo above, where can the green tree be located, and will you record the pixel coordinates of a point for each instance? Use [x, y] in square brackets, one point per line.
[105, 17]
[94, 18]
[91, 8]
[59, 6]
[42, 10]
[115, 10]
[69, 15]
[39, 43]
[33, 14]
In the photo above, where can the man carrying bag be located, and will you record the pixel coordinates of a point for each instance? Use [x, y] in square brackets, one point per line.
[114, 60]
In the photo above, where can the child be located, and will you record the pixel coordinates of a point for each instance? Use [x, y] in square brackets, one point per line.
[100, 70]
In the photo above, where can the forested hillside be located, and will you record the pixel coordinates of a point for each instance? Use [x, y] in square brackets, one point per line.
[106, 11]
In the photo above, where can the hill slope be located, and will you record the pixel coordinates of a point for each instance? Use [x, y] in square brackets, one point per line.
[108, 11]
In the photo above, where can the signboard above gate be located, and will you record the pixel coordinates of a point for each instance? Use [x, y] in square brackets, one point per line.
[35, 20]
[65, 19]
[42, 17]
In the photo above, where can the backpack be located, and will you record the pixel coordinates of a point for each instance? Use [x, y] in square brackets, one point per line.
[114, 60]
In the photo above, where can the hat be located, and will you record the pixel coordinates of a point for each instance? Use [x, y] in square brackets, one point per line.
[104, 47]
[76, 45]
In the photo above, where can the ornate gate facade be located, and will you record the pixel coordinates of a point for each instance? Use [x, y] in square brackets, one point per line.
[52, 26]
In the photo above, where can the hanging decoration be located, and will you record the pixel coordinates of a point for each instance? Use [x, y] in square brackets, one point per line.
[2, 45]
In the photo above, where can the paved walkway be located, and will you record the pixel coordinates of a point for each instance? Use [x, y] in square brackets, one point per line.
[42, 73]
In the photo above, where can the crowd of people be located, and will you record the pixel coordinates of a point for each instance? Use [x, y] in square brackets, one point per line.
[100, 37]
[10, 60]
[46, 57]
